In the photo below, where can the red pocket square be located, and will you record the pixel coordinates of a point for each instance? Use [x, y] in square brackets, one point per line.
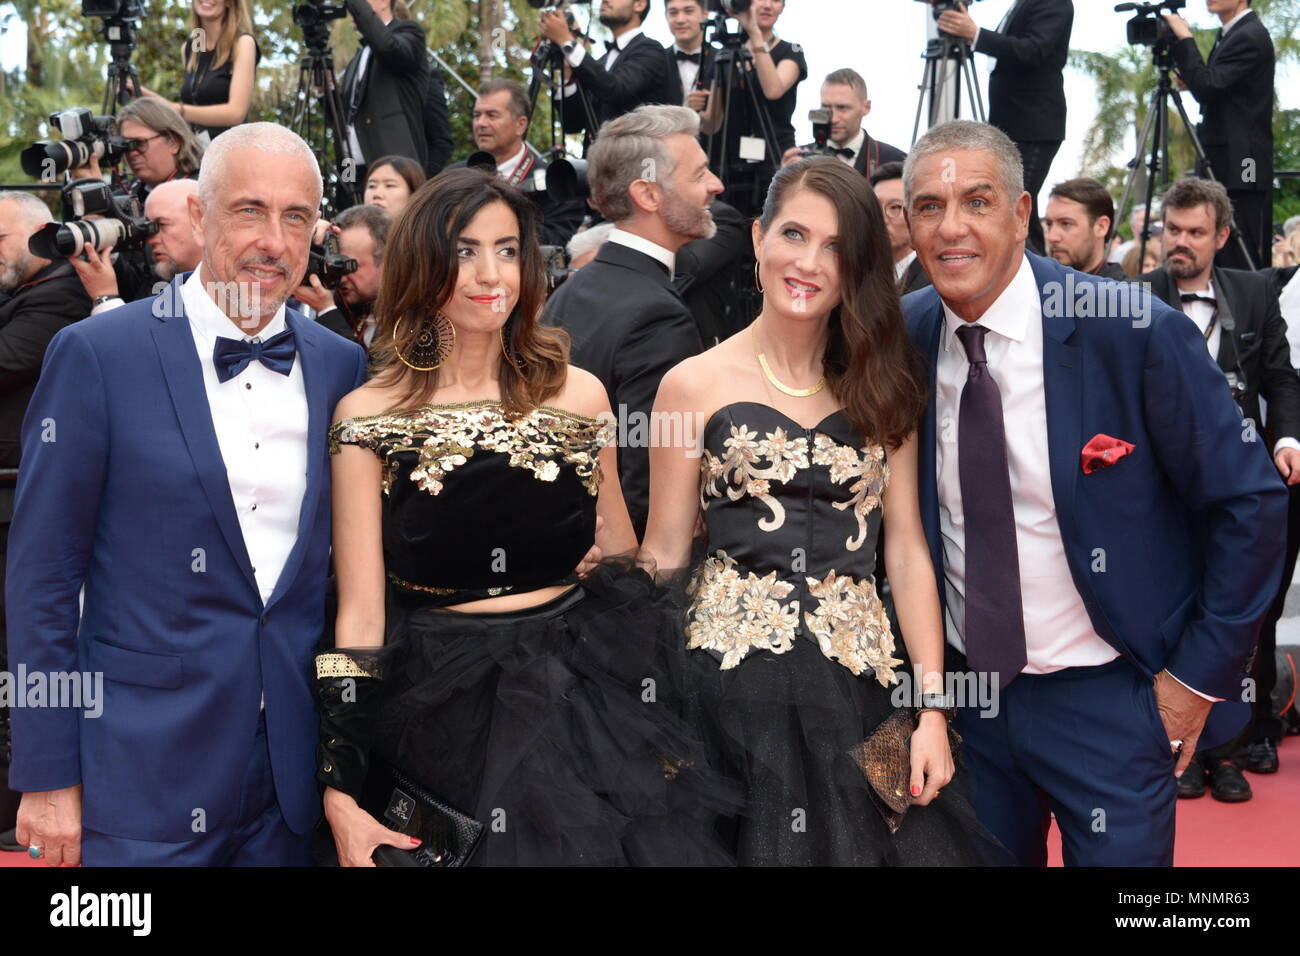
[1102, 451]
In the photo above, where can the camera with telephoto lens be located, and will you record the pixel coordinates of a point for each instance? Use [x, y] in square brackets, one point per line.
[84, 135]
[728, 8]
[122, 224]
[328, 264]
[1148, 26]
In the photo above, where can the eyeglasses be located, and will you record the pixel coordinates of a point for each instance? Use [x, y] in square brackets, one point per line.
[893, 210]
[141, 143]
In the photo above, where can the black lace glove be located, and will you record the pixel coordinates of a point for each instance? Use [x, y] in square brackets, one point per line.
[347, 682]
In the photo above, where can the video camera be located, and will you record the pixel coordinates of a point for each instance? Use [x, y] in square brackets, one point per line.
[326, 262]
[728, 8]
[84, 135]
[313, 18]
[123, 225]
[1148, 27]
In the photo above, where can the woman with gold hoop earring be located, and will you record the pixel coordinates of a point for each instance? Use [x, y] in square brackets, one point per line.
[805, 427]
[470, 476]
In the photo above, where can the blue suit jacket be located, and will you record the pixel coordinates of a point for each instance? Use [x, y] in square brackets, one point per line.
[1190, 525]
[123, 490]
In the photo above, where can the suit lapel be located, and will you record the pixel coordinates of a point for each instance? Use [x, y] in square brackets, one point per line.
[926, 452]
[318, 415]
[183, 370]
[1227, 356]
[1063, 396]
[676, 95]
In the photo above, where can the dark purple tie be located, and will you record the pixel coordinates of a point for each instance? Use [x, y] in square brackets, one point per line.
[995, 625]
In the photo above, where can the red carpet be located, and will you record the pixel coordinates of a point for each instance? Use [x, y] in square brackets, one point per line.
[1263, 832]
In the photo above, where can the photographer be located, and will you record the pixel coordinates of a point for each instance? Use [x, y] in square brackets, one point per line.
[1239, 315]
[362, 234]
[1027, 87]
[175, 249]
[384, 86]
[690, 59]
[37, 298]
[844, 96]
[1235, 90]
[1079, 217]
[220, 57]
[166, 148]
[630, 73]
[500, 122]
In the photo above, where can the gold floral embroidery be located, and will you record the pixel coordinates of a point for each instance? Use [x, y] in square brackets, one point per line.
[869, 467]
[734, 614]
[851, 626]
[742, 475]
[443, 592]
[447, 436]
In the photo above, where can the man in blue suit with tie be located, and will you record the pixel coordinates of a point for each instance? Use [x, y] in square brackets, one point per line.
[1106, 523]
[175, 467]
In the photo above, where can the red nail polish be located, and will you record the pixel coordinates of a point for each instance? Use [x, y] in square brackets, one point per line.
[416, 840]
[916, 791]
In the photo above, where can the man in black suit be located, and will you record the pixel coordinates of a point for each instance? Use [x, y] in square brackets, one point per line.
[630, 73]
[690, 61]
[1238, 313]
[887, 183]
[499, 124]
[37, 298]
[1078, 222]
[1027, 87]
[629, 325]
[384, 87]
[1235, 90]
[844, 96]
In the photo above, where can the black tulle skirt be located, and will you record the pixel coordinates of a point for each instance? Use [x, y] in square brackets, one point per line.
[783, 726]
[560, 727]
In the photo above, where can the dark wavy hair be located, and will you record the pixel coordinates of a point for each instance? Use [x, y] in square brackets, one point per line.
[420, 272]
[870, 364]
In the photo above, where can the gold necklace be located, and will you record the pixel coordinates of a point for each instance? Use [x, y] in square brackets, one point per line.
[794, 392]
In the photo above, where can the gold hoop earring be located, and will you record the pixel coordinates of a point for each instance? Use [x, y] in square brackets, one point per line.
[757, 281]
[507, 345]
[434, 342]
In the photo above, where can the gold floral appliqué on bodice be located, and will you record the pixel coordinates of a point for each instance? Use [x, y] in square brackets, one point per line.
[447, 436]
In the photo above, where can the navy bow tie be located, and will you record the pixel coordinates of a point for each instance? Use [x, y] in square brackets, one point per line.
[231, 356]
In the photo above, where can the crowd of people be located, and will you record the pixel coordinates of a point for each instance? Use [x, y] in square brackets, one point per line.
[564, 516]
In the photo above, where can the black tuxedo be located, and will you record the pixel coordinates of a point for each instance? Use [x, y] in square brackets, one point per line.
[1235, 90]
[1253, 343]
[1027, 88]
[636, 78]
[673, 93]
[388, 108]
[629, 326]
[560, 219]
[873, 154]
[437, 124]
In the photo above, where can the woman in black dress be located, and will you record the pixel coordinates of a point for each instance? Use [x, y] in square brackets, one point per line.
[468, 476]
[807, 422]
[220, 57]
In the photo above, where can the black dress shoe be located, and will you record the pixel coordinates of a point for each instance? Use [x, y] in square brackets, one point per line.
[1192, 783]
[1262, 757]
[1228, 784]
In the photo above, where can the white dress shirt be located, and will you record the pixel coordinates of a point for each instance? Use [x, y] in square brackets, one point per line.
[641, 244]
[854, 144]
[1058, 631]
[1202, 313]
[900, 267]
[260, 418]
[687, 70]
[1289, 302]
[506, 170]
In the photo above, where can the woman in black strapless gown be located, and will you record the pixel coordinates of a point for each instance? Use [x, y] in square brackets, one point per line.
[805, 425]
[468, 478]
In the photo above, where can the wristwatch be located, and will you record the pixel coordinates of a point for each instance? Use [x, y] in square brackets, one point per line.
[569, 47]
[101, 299]
[945, 704]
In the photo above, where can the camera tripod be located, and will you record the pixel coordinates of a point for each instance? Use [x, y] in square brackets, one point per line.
[744, 180]
[123, 81]
[317, 82]
[548, 71]
[939, 51]
[1155, 129]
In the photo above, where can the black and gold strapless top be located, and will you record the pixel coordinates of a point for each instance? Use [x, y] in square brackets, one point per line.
[793, 515]
[478, 502]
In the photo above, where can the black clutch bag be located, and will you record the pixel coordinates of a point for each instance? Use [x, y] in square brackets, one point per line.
[399, 803]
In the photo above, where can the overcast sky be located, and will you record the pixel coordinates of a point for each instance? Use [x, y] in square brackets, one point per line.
[883, 40]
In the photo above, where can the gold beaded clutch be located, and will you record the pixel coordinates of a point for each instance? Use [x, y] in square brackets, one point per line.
[885, 759]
